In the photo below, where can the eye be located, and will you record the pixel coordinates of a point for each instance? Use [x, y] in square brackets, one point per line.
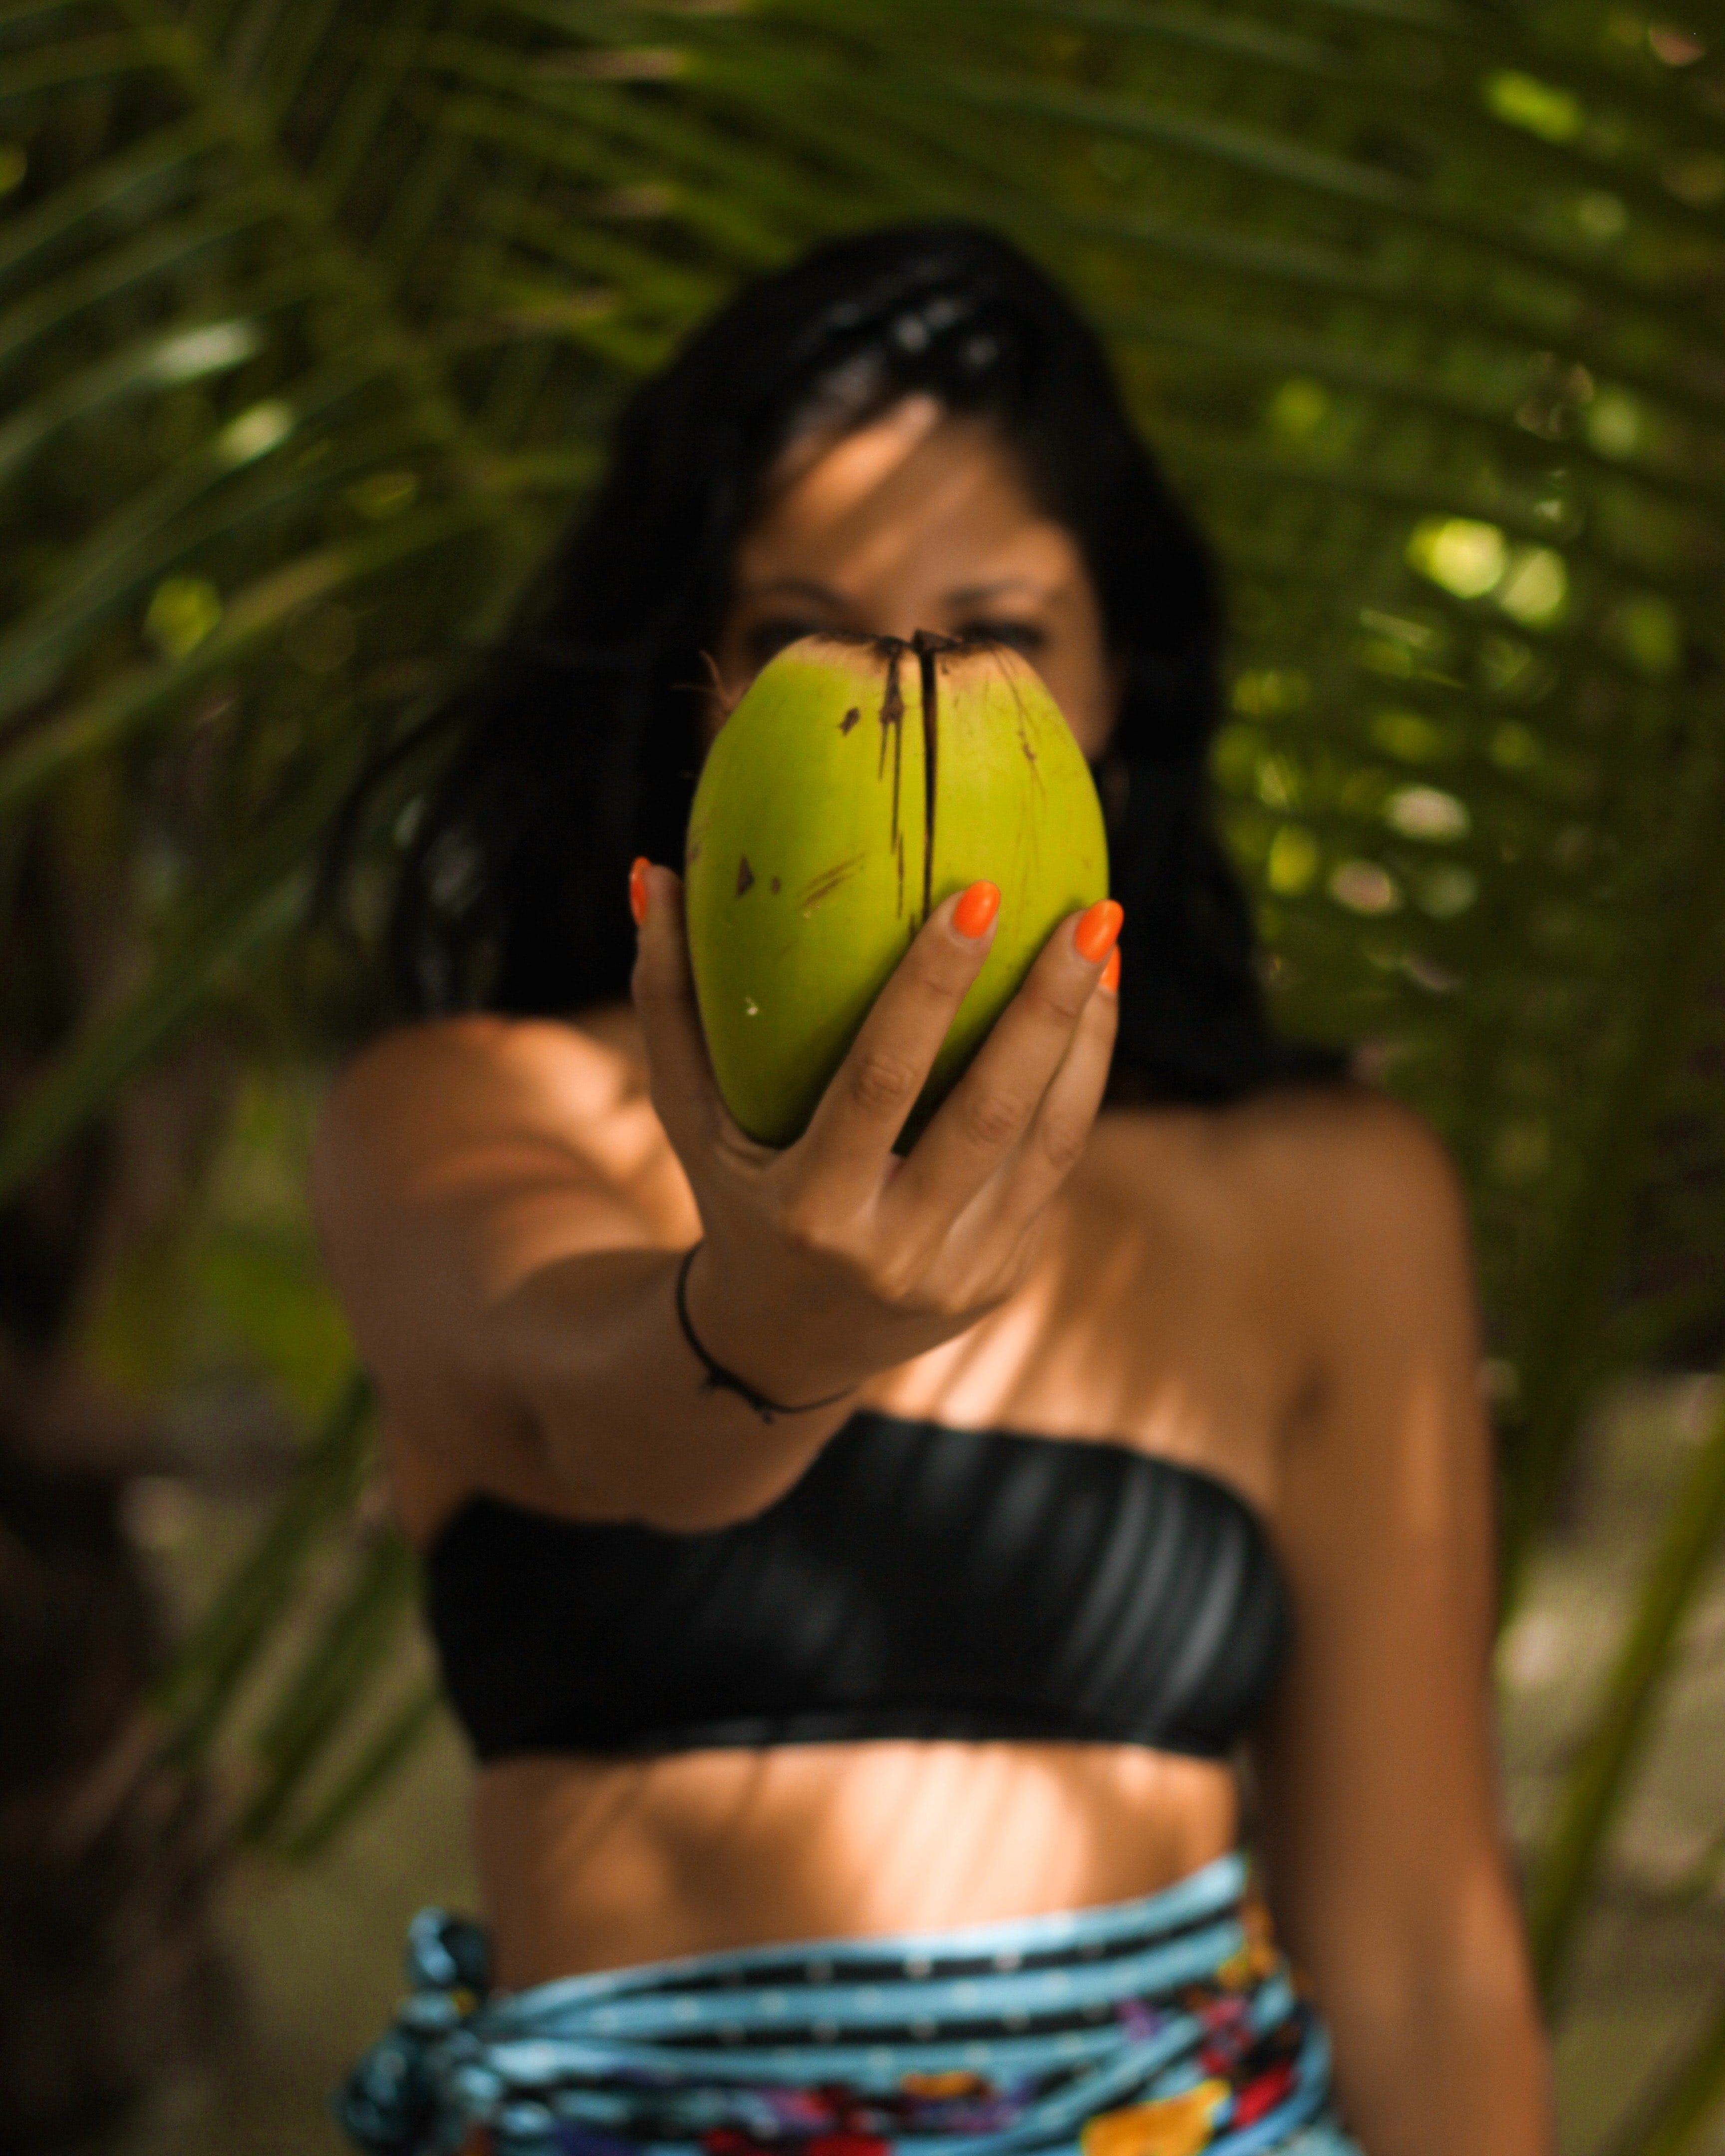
[1025, 636]
[766, 640]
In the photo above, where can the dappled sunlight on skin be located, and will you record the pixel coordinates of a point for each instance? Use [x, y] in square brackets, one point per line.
[919, 519]
[1083, 1351]
[882, 533]
[1075, 1352]
[589, 1863]
[1275, 1291]
[1043, 1827]
[1427, 1497]
[966, 1380]
[839, 476]
[853, 1838]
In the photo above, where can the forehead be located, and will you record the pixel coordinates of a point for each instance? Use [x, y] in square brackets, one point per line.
[918, 480]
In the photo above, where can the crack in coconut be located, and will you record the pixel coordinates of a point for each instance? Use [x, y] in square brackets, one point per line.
[764, 1026]
[927, 645]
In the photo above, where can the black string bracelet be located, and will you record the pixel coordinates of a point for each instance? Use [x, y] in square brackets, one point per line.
[718, 1379]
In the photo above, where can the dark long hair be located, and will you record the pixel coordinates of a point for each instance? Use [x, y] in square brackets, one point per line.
[574, 744]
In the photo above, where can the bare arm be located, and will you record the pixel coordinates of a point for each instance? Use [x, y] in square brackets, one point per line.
[1384, 1851]
[511, 1285]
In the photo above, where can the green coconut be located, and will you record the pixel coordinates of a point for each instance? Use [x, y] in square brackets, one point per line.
[858, 784]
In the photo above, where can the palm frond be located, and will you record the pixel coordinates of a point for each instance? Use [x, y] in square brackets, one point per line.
[263, 901]
[1674, 2119]
[254, 617]
[333, 1676]
[393, 1744]
[312, 332]
[218, 1656]
[1590, 1795]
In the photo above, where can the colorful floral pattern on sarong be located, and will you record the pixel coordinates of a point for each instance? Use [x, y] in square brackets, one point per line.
[1164, 2027]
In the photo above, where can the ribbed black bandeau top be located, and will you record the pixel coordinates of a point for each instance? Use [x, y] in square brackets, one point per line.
[918, 1581]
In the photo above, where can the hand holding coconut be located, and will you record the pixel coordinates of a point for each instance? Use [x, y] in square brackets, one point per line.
[868, 795]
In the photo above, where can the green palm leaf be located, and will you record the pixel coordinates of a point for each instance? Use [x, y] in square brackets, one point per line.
[262, 901]
[1674, 2119]
[219, 1653]
[1417, 299]
[1674, 1574]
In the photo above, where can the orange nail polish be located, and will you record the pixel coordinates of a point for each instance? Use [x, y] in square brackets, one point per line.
[1111, 972]
[637, 889]
[973, 916]
[1095, 933]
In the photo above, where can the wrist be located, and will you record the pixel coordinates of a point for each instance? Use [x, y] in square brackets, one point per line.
[771, 1381]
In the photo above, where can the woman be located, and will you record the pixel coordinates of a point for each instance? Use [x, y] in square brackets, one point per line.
[861, 1576]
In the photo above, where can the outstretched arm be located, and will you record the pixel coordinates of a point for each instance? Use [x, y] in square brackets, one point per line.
[509, 1279]
[1382, 1834]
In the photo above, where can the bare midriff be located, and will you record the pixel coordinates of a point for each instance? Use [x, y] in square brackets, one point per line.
[590, 1864]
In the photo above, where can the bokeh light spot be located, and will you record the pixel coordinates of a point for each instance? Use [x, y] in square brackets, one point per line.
[1538, 108]
[194, 353]
[1650, 634]
[1292, 862]
[1407, 735]
[1443, 892]
[1515, 747]
[1365, 887]
[1423, 811]
[181, 613]
[255, 432]
[1534, 586]
[1614, 424]
[1465, 556]
[1298, 409]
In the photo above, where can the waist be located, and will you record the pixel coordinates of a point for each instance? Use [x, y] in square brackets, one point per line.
[587, 1865]
[1160, 2024]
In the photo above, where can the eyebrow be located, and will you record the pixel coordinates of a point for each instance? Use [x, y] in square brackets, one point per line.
[973, 595]
[805, 587]
[810, 588]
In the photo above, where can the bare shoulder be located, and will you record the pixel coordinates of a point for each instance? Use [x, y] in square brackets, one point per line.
[447, 1070]
[424, 1098]
[1335, 1199]
[1368, 1242]
[1340, 1153]
[1362, 1194]
[1345, 1156]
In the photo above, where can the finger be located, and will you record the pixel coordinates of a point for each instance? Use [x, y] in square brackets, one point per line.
[1058, 1131]
[849, 1141]
[989, 1110]
[685, 1093]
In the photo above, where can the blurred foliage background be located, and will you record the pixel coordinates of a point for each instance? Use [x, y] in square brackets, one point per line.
[311, 319]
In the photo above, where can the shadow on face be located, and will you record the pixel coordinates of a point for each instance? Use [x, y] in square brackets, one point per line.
[921, 519]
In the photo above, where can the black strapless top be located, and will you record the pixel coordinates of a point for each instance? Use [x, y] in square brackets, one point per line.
[918, 1581]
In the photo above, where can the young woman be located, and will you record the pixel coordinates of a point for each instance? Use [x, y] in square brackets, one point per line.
[863, 1577]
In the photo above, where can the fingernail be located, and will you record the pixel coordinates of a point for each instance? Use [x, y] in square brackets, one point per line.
[1111, 972]
[1095, 933]
[638, 889]
[973, 916]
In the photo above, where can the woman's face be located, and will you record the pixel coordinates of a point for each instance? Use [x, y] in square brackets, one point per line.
[919, 519]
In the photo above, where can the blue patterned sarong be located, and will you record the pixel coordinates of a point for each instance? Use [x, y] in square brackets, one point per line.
[1159, 2027]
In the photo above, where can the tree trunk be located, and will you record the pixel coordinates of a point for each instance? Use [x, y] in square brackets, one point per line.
[106, 1849]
